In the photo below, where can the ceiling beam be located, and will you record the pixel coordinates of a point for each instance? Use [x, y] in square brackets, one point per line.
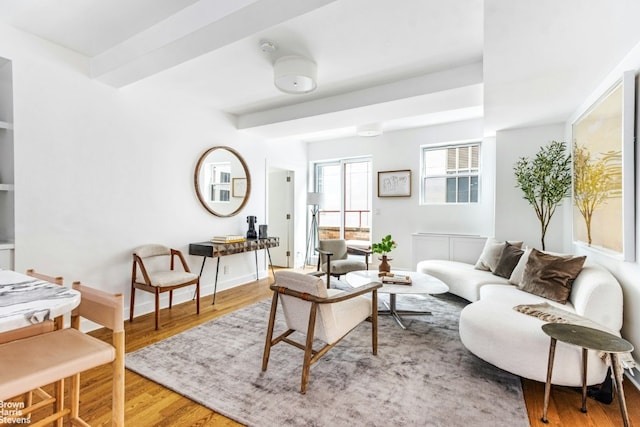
[437, 86]
[174, 41]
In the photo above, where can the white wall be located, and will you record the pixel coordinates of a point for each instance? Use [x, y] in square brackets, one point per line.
[515, 218]
[100, 171]
[403, 216]
[627, 273]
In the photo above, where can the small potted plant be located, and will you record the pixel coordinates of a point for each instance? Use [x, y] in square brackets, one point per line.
[383, 248]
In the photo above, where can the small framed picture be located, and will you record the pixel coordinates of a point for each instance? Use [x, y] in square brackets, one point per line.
[238, 187]
[394, 183]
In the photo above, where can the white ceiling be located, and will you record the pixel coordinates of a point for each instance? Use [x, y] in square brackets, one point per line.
[405, 64]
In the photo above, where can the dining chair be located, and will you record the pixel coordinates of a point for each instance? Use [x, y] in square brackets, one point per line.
[47, 358]
[317, 312]
[48, 325]
[334, 258]
[154, 271]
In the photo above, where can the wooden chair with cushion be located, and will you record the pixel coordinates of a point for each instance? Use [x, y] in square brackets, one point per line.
[157, 274]
[326, 314]
[43, 327]
[334, 258]
[47, 358]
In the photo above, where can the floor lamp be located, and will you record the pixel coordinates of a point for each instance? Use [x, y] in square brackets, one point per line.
[313, 200]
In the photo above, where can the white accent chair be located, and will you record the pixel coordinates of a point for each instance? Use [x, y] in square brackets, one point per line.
[321, 313]
[159, 275]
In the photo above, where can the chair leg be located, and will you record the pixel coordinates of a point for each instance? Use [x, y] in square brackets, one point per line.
[59, 393]
[157, 308]
[272, 321]
[374, 322]
[308, 349]
[117, 407]
[170, 298]
[133, 289]
[133, 299]
[198, 297]
[74, 392]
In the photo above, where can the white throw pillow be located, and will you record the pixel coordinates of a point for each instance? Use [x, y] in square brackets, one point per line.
[518, 272]
[491, 252]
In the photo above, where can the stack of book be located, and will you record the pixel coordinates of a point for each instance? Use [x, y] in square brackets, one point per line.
[231, 238]
[395, 279]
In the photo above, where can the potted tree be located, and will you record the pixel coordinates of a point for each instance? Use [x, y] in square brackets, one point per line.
[545, 180]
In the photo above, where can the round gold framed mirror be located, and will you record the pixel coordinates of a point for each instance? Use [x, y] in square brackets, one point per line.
[222, 181]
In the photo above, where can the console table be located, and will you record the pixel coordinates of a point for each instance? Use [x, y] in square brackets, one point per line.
[218, 250]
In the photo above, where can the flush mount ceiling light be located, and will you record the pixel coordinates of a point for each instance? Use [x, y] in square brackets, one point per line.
[371, 129]
[295, 74]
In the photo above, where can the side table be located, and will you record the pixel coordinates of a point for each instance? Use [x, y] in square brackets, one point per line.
[588, 339]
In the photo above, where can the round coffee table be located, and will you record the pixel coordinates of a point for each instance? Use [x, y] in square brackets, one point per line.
[420, 284]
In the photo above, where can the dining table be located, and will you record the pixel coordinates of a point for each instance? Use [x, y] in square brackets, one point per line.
[26, 300]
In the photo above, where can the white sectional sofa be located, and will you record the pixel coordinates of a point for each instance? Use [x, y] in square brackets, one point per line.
[492, 330]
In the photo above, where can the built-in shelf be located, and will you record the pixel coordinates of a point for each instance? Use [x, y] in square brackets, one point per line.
[6, 187]
[5, 125]
[7, 245]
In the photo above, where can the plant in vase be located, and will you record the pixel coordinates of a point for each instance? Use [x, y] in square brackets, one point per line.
[383, 248]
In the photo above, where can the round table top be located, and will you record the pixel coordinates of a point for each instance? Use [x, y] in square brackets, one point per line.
[420, 283]
[25, 300]
[582, 336]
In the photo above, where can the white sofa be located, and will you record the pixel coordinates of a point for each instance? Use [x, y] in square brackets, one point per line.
[492, 330]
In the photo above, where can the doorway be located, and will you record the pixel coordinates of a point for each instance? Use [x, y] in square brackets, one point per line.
[280, 210]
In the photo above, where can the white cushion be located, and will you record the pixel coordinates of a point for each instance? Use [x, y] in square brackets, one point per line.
[462, 278]
[515, 342]
[344, 266]
[333, 321]
[169, 278]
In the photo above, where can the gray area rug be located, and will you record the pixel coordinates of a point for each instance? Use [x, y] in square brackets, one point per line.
[422, 376]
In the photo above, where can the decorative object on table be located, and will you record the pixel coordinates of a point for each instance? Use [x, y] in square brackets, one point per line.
[394, 279]
[251, 232]
[262, 231]
[394, 183]
[314, 199]
[229, 238]
[545, 180]
[383, 248]
[603, 165]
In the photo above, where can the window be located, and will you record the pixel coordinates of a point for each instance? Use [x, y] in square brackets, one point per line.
[345, 212]
[451, 173]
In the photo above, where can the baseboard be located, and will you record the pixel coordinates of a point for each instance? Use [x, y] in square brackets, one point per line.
[145, 303]
[635, 378]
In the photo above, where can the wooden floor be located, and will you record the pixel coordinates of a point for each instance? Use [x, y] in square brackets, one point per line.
[149, 404]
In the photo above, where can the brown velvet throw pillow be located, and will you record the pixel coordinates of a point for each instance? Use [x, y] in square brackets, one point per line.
[550, 276]
[508, 260]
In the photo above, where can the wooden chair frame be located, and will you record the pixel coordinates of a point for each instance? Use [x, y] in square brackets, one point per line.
[106, 310]
[51, 357]
[157, 290]
[310, 354]
[49, 325]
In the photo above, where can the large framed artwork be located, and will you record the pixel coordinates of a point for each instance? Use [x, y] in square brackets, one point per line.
[603, 172]
[394, 183]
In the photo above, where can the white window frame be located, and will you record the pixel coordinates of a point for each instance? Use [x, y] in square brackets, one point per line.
[424, 177]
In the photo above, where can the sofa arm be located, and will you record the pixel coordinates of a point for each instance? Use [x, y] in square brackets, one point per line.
[597, 295]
